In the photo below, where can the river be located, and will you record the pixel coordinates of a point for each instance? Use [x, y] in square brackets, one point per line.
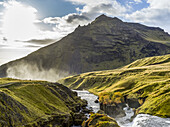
[141, 120]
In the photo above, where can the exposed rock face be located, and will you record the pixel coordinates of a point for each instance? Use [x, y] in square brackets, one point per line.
[38, 103]
[115, 111]
[133, 103]
[106, 43]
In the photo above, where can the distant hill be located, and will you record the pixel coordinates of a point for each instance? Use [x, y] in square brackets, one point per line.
[146, 81]
[106, 43]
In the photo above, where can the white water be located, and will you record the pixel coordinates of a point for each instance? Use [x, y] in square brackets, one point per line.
[126, 120]
[90, 99]
[145, 120]
[141, 120]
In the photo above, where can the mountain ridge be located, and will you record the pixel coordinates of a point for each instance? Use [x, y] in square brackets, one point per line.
[105, 43]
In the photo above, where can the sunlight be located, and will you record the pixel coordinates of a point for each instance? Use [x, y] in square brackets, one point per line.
[18, 21]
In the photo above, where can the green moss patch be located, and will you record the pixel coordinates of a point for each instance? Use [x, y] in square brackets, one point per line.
[100, 120]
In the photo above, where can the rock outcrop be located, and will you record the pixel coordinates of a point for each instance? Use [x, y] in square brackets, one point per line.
[115, 111]
[100, 120]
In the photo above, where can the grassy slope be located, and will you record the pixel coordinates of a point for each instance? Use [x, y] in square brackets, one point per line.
[34, 102]
[154, 34]
[145, 78]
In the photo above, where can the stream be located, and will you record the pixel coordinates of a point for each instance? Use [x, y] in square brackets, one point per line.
[141, 120]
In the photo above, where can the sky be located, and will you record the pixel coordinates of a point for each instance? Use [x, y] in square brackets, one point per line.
[27, 25]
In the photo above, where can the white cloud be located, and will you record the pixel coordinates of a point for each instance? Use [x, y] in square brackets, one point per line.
[18, 21]
[159, 4]
[94, 8]
[61, 26]
[90, 10]
[19, 24]
[138, 1]
[66, 24]
[1, 3]
[90, 2]
[157, 14]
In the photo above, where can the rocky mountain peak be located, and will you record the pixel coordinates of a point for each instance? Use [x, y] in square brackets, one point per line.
[106, 18]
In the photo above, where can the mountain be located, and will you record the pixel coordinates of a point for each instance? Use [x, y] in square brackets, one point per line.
[38, 103]
[143, 84]
[106, 43]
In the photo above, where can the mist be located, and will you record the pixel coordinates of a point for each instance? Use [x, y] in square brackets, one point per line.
[26, 71]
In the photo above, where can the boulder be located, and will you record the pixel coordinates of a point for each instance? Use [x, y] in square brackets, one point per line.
[133, 103]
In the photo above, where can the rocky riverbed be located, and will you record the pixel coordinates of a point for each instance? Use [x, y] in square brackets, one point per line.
[141, 120]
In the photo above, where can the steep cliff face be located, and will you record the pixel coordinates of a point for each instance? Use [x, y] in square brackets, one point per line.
[38, 103]
[106, 43]
[143, 84]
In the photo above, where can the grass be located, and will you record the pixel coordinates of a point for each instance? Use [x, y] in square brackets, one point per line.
[33, 102]
[145, 78]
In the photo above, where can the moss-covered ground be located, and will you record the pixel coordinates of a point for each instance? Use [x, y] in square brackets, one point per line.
[100, 120]
[36, 103]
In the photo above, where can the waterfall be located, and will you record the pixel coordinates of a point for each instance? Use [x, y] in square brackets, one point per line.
[126, 121]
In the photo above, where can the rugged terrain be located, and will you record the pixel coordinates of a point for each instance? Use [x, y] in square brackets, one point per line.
[106, 43]
[143, 84]
[38, 103]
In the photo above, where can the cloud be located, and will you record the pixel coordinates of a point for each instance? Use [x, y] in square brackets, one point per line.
[18, 21]
[41, 42]
[1, 3]
[91, 9]
[163, 4]
[90, 2]
[61, 26]
[66, 24]
[156, 14]
[138, 1]
[73, 17]
[1, 13]
[20, 24]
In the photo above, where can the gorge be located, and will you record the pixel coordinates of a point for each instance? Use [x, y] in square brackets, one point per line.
[141, 120]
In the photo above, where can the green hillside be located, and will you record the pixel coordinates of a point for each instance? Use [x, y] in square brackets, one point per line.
[37, 103]
[147, 80]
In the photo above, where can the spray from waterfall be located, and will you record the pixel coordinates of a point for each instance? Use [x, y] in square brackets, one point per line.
[23, 70]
